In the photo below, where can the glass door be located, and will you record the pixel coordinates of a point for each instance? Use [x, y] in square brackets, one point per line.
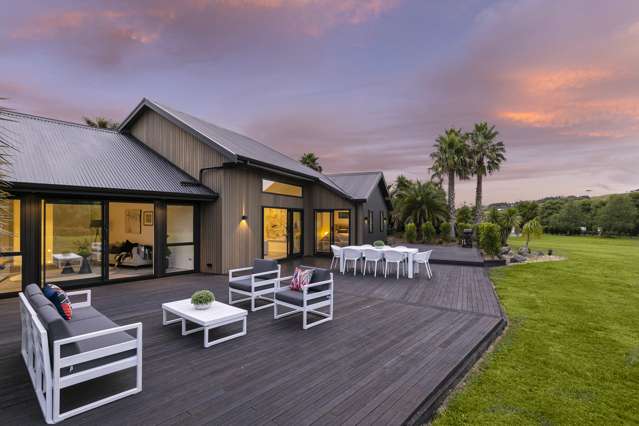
[283, 233]
[332, 227]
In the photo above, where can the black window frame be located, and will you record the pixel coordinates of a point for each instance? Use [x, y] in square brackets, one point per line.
[371, 225]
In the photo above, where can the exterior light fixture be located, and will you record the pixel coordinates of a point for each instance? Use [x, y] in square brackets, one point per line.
[366, 220]
[244, 218]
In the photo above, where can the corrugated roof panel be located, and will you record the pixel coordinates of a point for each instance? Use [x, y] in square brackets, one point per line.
[52, 152]
[246, 147]
[357, 185]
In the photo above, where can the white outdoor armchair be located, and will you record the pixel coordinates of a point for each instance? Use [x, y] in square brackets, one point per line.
[423, 258]
[372, 256]
[337, 254]
[351, 255]
[259, 284]
[318, 294]
[396, 257]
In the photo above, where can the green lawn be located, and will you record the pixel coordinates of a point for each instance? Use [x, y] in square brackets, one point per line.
[571, 352]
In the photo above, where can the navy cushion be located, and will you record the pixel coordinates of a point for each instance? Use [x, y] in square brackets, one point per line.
[59, 299]
[265, 265]
[244, 284]
[295, 297]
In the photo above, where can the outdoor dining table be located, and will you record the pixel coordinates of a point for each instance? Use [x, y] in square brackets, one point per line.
[409, 251]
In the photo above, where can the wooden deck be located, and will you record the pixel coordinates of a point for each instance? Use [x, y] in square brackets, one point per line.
[391, 354]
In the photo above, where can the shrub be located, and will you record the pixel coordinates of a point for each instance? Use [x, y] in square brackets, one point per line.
[461, 227]
[410, 232]
[202, 297]
[444, 229]
[489, 238]
[428, 231]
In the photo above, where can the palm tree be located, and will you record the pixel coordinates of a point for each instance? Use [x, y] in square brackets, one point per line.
[509, 219]
[101, 123]
[419, 203]
[401, 184]
[309, 159]
[450, 159]
[486, 156]
[532, 229]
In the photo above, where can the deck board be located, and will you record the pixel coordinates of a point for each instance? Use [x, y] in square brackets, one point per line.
[392, 345]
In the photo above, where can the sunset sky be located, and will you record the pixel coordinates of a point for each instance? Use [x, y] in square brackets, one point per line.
[366, 85]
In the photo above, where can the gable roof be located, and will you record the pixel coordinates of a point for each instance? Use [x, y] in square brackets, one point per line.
[360, 185]
[234, 146]
[52, 154]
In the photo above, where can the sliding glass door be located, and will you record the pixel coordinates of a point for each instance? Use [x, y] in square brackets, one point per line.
[131, 240]
[332, 227]
[283, 231]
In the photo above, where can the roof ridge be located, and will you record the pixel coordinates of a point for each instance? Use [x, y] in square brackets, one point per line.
[355, 173]
[170, 109]
[56, 120]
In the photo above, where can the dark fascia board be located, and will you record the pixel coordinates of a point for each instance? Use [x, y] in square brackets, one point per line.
[18, 187]
[145, 103]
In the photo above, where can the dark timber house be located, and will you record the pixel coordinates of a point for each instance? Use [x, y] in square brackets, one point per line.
[167, 193]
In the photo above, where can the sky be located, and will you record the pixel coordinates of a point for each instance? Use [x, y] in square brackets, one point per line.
[365, 85]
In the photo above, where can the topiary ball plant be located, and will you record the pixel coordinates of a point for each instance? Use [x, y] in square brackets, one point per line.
[379, 243]
[202, 299]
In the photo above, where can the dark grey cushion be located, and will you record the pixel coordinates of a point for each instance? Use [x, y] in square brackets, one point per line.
[89, 325]
[57, 328]
[38, 300]
[295, 297]
[80, 314]
[245, 284]
[264, 265]
[319, 275]
[32, 289]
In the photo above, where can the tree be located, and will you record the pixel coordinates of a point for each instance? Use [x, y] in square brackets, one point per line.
[309, 159]
[618, 216]
[450, 160]
[101, 123]
[464, 214]
[531, 230]
[489, 238]
[420, 202]
[569, 220]
[486, 156]
[528, 210]
[401, 184]
[509, 219]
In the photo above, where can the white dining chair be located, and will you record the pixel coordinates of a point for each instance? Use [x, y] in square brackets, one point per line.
[422, 258]
[337, 254]
[372, 256]
[351, 255]
[401, 248]
[396, 257]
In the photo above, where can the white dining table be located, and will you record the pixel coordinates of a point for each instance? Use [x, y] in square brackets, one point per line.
[409, 251]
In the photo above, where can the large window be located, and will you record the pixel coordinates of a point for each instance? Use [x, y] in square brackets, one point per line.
[371, 226]
[10, 253]
[72, 241]
[131, 239]
[281, 188]
[180, 241]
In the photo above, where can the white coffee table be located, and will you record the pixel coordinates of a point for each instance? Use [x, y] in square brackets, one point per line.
[217, 315]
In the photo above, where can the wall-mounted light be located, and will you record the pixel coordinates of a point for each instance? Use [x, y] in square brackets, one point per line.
[244, 218]
[366, 220]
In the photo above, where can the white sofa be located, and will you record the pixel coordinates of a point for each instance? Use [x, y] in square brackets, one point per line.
[60, 353]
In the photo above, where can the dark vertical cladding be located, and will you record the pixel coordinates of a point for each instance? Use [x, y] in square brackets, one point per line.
[30, 236]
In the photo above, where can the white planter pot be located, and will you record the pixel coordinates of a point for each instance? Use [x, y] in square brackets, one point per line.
[202, 307]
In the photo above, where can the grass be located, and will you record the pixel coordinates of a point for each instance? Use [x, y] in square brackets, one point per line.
[571, 352]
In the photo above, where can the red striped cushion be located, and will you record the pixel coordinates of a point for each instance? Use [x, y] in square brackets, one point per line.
[301, 278]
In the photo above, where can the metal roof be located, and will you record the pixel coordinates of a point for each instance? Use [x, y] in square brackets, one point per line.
[360, 185]
[57, 154]
[234, 146]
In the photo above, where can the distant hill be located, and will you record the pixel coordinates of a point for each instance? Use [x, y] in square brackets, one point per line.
[505, 205]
